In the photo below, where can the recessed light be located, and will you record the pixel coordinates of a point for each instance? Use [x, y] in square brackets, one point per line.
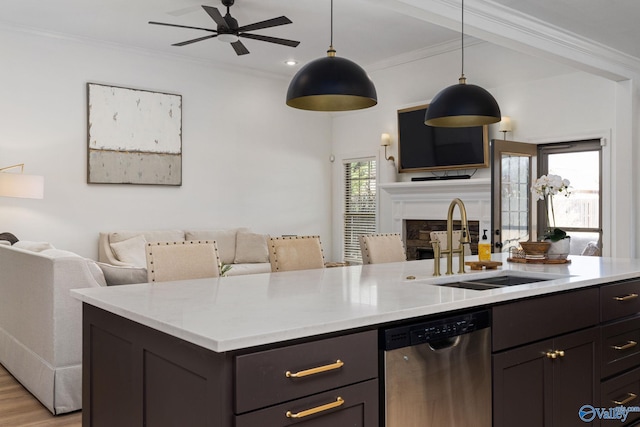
[291, 62]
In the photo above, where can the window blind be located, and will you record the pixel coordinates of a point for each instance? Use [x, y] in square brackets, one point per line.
[360, 205]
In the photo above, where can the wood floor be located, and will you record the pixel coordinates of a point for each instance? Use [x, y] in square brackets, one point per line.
[18, 408]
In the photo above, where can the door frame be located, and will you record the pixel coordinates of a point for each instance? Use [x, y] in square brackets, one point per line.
[574, 147]
[498, 148]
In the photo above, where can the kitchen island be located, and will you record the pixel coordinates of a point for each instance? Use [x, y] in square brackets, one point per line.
[140, 340]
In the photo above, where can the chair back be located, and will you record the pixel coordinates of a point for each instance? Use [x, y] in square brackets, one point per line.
[380, 248]
[193, 259]
[295, 253]
[441, 236]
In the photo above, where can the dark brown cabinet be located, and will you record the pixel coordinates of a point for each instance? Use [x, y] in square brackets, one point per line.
[546, 383]
[620, 332]
[136, 376]
[329, 382]
[546, 360]
[355, 406]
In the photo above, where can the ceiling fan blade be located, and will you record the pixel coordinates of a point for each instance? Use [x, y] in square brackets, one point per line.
[281, 20]
[214, 13]
[239, 48]
[183, 26]
[199, 39]
[292, 43]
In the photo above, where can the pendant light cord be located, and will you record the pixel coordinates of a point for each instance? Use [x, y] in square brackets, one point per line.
[331, 44]
[331, 52]
[461, 38]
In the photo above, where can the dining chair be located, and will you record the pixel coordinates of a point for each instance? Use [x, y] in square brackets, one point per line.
[381, 248]
[295, 253]
[441, 236]
[191, 259]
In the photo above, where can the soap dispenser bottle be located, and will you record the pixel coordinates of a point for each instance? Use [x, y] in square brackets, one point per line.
[484, 248]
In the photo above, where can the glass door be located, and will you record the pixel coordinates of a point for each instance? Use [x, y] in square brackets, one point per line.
[512, 166]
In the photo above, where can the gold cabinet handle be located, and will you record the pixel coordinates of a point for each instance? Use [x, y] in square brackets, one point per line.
[337, 365]
[554, 354]
[628, 345]
[339, 402]
[630, 397]
[626, 297]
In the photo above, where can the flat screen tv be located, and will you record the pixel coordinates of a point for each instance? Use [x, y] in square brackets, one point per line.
[425, 148]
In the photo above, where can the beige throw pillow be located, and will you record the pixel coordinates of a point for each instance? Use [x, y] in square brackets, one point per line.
[251, 248]
[131, 251]
[117, 275]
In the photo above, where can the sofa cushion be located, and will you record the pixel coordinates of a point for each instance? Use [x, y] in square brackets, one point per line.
[117, 275]
[150, 236]
[249, 268]
[225, 241]
[33, 246]
[131, 251]
[251, 247]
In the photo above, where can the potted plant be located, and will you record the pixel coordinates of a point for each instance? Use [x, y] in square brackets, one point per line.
[224, 268]
[544, 188]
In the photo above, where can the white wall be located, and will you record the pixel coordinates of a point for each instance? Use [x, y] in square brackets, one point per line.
[547, 102]
[248, 159]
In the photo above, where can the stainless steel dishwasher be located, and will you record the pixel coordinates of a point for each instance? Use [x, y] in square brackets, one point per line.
[438, 373]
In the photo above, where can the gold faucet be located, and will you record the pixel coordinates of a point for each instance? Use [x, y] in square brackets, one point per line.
[464, 238]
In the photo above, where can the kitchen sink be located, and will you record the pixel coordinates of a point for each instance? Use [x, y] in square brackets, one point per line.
[494, 282]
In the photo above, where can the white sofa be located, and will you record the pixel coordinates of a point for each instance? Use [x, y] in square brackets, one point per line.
[41, 324]
[122, 254]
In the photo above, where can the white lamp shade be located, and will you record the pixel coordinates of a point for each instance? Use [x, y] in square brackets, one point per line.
[385, 139]
[21, 185]
[505, 124]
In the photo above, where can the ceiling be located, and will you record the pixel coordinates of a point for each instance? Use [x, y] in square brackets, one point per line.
[373, 33]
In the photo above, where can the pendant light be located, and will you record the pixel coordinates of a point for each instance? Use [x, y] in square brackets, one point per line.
[462, 105]
[331, 84]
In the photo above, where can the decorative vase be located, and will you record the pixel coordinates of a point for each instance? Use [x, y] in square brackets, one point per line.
[559, 249]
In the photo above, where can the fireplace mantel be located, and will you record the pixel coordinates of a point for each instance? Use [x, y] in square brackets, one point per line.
[431, 199]
[421, 189]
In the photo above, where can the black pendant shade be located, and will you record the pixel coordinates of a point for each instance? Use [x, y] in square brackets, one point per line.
[331, 84]
[462, 105]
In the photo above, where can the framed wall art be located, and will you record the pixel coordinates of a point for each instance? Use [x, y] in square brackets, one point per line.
[134, 136]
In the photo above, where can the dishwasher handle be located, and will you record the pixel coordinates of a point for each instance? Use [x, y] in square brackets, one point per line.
[444, 343]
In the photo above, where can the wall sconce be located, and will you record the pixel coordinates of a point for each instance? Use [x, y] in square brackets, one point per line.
[20, 184]
[385, 141]
[505, 126]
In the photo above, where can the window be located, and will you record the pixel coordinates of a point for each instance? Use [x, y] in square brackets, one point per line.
[579, 214]
[360, 205]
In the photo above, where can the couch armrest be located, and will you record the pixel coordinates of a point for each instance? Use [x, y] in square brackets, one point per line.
[36, 307]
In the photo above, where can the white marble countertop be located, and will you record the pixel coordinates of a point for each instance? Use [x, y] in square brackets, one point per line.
[231, 313]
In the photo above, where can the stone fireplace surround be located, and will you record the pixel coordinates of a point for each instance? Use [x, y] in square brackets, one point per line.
[429, 202]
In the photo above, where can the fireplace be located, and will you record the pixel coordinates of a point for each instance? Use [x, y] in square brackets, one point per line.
[419, 207]
[418, 236]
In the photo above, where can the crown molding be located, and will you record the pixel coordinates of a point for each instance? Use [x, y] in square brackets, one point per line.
[497, 24]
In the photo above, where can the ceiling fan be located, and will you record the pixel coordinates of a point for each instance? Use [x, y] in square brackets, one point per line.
[228, 30]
